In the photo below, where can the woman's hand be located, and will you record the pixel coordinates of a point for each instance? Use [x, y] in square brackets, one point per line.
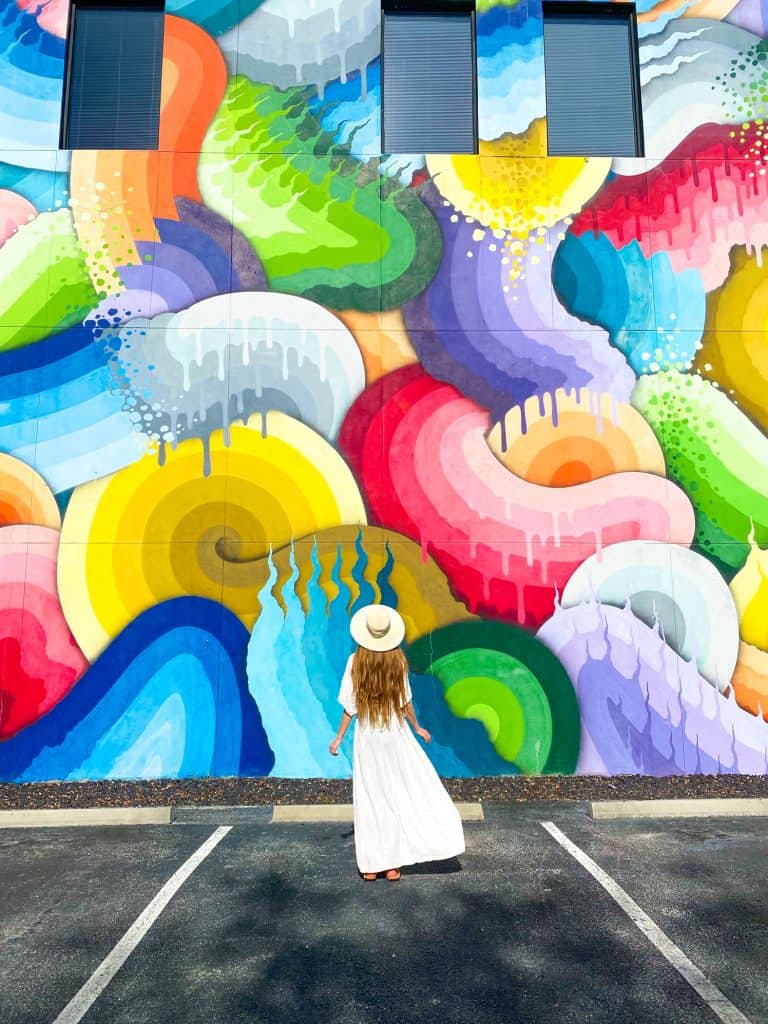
[424, 735]
[334, 747]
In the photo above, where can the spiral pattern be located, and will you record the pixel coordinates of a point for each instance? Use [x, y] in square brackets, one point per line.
[152, 532]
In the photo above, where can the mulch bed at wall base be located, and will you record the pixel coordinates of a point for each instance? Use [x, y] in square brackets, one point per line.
[238, 792]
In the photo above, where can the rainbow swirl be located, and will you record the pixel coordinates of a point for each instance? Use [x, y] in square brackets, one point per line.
[419, 449]
[118, 195]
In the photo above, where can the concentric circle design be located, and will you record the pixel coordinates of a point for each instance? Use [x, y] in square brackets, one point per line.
[39, 660]
[25, 498]
[511, 188]
[572, 437]
[506, 679]
[670, 585]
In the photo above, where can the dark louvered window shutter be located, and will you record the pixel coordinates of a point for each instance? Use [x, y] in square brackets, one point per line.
[429, 81]
[114, 76]
[592, 84]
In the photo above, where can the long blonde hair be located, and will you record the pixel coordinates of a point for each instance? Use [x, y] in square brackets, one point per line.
[378, 678]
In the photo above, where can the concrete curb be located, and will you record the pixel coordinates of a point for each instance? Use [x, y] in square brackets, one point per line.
[94, 816]
[253, 814]
[635, 809]
[223, 815]
[284, 814]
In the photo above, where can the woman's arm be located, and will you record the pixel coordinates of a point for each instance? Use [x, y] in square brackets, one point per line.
[346, 718]
[410, 714]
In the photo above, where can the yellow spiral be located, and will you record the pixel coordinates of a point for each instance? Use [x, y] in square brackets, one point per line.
[153, 532]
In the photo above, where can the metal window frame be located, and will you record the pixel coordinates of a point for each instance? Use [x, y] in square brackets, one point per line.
[431, 7]
[114, 5]
[605, 9]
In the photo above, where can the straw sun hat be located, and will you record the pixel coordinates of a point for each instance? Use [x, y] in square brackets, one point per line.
[377, 628]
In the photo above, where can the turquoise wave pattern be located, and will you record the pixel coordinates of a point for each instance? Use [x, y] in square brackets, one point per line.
[654, 316]
[510, 62]
[296, 658]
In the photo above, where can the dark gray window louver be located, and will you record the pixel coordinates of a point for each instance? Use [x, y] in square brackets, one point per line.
[428, 102]
[592, 79]
[115, 60]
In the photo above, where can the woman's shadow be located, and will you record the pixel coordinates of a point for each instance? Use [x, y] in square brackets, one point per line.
[434, 867]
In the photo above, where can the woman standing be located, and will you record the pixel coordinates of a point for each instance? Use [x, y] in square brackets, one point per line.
[403, 814]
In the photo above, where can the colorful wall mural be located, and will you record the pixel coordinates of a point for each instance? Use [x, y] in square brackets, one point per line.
[268, 374]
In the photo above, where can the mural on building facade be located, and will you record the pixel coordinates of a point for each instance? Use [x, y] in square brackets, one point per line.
[268, 374]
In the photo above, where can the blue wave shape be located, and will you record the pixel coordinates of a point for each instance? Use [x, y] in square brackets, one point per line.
[31, 84]
[500, 26]
[215, 16]
[46, 190]
[351, 114]
[61, 413]
[298, 703]
[654, 315]
[167, 699]
[510, 69]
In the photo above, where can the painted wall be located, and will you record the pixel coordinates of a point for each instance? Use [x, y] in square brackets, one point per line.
[268, 374]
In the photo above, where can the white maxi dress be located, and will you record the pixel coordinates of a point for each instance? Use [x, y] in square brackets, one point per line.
[403, 814]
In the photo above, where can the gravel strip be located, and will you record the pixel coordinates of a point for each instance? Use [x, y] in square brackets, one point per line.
[241, 792]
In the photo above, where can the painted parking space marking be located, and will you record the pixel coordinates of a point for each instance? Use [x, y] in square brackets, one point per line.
[82, 1001]
[709, 992]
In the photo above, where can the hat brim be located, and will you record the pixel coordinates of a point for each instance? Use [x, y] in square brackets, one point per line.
[393, 638]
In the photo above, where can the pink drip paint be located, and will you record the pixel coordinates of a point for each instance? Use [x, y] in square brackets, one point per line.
[520, 602]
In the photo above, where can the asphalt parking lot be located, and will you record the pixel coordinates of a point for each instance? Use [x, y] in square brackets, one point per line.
[272, 923]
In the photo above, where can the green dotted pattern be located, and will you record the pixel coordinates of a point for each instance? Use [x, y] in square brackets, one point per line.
[745, 83]
[717, 456]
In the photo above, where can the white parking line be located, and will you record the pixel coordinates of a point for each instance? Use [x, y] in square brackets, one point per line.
[82, 1001]
[709, 992]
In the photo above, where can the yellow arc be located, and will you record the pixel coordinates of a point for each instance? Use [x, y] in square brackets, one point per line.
[152, 532]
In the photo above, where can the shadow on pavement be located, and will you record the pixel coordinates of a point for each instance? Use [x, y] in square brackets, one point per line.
[369, 953]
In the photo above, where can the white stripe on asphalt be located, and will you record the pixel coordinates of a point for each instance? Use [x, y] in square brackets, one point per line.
[83, 1000]
[708, 991]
